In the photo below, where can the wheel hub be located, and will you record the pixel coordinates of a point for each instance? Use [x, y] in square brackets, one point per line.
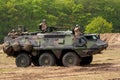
[46, 61]
[70, 60]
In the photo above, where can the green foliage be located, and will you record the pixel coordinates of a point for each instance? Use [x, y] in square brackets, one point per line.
[99, 25]
[57, 13]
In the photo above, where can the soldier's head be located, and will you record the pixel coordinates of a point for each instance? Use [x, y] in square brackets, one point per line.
[76, 25]
[19, 29]
[13, 30]
[43, 21]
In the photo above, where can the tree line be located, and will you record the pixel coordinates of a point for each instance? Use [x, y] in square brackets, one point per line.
[63, 13]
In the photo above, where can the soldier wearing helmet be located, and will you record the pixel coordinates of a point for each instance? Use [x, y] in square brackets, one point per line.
[43, 26]
[78, 39]
[76, 31]
[12, 34]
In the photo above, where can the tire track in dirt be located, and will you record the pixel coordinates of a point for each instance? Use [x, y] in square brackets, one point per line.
[41, 73]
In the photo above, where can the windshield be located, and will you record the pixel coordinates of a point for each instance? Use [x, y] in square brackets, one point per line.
[91, 37]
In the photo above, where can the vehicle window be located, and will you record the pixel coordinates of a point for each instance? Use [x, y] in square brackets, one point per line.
[92, 37]
[89, 37]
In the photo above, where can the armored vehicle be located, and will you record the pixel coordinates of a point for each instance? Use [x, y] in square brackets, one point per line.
[55, 48]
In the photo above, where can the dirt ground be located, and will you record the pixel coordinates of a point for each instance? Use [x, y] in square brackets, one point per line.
[105, 66]
[113, 39]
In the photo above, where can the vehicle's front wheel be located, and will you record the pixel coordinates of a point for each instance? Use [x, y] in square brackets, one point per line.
[23, 60]
[47, 59]
[71, 59]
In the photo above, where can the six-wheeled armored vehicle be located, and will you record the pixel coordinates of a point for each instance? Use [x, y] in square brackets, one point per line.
[55, 48]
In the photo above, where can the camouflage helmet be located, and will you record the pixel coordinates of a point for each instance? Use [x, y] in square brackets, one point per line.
[13, 30]
[19, 29]
[44, 20]
[76, 25]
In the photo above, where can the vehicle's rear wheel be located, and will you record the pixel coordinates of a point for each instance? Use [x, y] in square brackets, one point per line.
[23, 60]
[71, 59]
[47, 59]
[35, 60]
[86, 60]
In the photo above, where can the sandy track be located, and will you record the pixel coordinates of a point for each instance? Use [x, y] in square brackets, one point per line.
[103, 67]
[45, 73]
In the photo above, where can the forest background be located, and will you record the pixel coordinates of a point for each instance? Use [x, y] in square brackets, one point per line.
[60, 13]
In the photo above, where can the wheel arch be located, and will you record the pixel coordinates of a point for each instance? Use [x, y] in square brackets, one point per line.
[47, 51]
[23, 52]
[66, 51]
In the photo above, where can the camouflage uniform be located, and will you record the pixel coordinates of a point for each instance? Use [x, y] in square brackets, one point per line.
[12, 34]
[43, 26]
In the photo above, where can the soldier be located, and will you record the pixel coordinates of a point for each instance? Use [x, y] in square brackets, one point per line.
[43, 26]
[78, 39]
[12, 34]
[19, 31]
[76, 31]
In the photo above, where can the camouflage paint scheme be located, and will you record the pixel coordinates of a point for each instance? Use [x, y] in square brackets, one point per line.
[58, 43]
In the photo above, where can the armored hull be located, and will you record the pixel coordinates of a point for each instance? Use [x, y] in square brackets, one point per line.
[49, 49]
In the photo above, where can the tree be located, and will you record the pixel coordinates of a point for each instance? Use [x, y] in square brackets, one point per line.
[57, 13]
[98, 24]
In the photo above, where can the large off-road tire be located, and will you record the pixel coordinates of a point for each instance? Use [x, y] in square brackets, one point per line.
[86, 60]
[47, 59]
[23, 60]
[71, 59]
[35, 60]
